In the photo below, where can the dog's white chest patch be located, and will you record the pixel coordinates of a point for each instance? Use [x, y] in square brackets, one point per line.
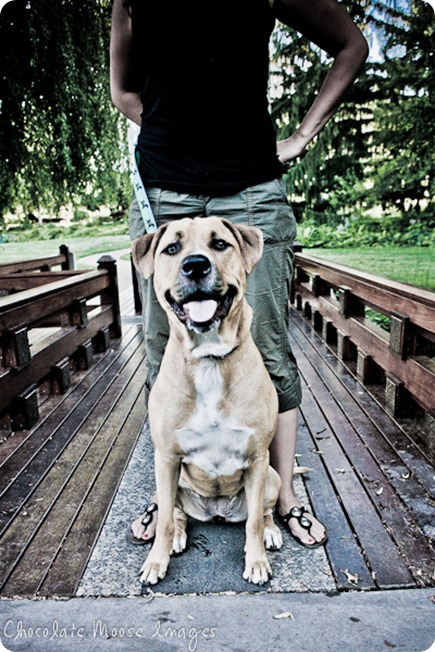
[215, 443]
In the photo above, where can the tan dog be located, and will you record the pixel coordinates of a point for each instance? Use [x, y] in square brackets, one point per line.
[213, 408]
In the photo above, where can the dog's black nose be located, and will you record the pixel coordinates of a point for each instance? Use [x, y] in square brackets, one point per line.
[196, 266]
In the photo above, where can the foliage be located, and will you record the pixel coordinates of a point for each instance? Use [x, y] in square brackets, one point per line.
[376, 156]
[59, 136]
[367, 232]
[327, 183]
[403, 115]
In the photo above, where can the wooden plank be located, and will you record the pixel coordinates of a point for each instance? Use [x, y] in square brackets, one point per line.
[21, 282]
[383, 557]
[55, 406]
[100, 431]
[391, 446]
[342, 549]
[412, 543]
[35, 504]
[28, 265]
[74, 551]
[404, 464]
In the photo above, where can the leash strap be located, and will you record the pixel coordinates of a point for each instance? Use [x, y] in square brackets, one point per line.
[142, 197]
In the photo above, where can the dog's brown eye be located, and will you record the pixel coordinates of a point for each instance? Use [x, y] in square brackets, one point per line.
[172, 249]
[219, 245]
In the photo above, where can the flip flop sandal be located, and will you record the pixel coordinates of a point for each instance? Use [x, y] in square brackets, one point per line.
[147, 517]
[298, 514]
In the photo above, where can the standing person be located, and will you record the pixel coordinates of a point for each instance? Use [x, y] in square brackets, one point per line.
[194, 76]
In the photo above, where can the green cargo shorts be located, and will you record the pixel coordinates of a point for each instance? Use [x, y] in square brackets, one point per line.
[266, 207]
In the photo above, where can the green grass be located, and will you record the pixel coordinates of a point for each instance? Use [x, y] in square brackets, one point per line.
[412, 265]
[13, 251]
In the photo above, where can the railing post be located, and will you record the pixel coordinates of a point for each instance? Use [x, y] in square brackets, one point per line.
[366, 368]
[102, 340]
[85, 354]
[110, 296]
[317, 285]
[60, 377]
[16, 349]
[395, 395]
[136, 292]
[69, 257]
[329, 332]
[348, 304]
[79, 313]
[25, 411]
[344, 346]
[400, 334]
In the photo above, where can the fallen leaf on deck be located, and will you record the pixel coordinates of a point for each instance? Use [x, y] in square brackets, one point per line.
[352, 579]
[284, 614]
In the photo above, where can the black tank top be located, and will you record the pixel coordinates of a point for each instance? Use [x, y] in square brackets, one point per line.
[203, 73]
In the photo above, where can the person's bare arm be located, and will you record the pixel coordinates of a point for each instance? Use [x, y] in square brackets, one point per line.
[124, 96]
[331, 28]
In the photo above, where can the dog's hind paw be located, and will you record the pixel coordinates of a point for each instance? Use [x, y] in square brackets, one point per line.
[179, 544]
[272, 537]
[257, 572]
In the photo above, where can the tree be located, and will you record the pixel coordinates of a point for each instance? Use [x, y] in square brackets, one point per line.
[59, 136]
[327, 183]
[377, 151]
[403, 178]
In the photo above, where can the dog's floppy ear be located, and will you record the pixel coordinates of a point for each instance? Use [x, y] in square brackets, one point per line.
[250, 240]
[143, 250]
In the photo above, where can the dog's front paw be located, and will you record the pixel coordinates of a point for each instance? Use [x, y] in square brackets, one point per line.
[258, 571]
[153, 570]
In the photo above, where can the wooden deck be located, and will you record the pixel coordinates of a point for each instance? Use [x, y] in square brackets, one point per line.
[371, 483]
[58, 479]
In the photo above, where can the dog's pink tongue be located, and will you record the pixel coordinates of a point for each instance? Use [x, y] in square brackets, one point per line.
[201, 311]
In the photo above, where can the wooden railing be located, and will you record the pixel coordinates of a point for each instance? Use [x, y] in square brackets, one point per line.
[337, 299]
[64, 260]
[47, 330]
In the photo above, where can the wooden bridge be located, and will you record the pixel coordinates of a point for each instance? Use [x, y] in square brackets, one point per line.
[71, 410]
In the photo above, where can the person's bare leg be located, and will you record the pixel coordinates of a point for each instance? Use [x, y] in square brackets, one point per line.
[282, 456]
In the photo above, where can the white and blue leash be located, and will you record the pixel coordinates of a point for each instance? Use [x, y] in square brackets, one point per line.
[142, 197]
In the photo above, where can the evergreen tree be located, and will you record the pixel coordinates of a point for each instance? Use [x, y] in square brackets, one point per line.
[377, 151]
[404, 134]
[326, 184]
